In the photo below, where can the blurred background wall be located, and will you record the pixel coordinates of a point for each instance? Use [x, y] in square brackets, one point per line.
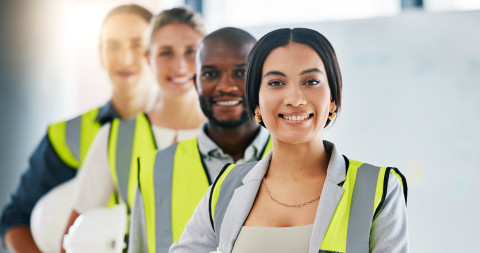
[411, 72]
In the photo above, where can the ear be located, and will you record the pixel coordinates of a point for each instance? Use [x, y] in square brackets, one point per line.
[257, 110]
[333, 106]
[147, 56]
[102, 61]
[195, 83]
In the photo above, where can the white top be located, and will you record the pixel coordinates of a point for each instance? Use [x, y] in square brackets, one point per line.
[273, 239]
[95, 184]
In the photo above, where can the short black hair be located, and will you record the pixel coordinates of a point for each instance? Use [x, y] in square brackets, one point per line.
[234, 36]
[281, 38]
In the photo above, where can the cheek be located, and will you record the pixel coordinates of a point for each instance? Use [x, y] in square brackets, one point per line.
[162, 67]
[138, 57]
[240, 83]
[207, 87]
[265, 101]
[191, 64]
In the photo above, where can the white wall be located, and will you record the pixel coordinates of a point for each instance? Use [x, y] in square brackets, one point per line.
[410, 100]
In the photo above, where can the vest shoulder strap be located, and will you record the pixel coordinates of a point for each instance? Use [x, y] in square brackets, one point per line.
[190, 183]
[172, 179]
[229, 179]
[365, 188]
[148, 182]
[71, 139]
[128, 139]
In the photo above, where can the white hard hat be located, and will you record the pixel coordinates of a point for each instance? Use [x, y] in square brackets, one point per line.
[49, 217]
[98, 230]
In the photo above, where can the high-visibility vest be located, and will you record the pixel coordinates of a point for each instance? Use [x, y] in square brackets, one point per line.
[127, 141]
[365, 189]
[172, 183]
[71, 139]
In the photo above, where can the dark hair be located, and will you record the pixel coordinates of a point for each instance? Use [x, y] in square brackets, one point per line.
[234, 36]
[129, 9]
[281, 38]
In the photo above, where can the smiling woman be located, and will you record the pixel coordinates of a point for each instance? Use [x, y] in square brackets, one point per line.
[110, 165]
[304, 196]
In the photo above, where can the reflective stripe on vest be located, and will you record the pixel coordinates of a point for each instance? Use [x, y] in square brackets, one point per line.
[364, 193]
[128, 140]
[71, 139]
[178, 183]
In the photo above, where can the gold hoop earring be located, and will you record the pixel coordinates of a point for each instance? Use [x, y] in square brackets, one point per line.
[332, 115]
[258, 117]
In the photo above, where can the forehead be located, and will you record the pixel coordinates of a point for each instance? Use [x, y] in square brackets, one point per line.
[124, 26]
[222, 52]
[176, 34]
[295, 57]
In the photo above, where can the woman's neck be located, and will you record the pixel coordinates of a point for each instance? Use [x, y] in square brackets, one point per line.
[299, 160]
[178, 112]
[130, 104]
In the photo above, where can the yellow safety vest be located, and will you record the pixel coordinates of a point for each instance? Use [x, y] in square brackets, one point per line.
[172, 183]
[71, 139]
[364, 193]
[128, 140]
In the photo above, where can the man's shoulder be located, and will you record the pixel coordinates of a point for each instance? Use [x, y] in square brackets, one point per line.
[91, 114]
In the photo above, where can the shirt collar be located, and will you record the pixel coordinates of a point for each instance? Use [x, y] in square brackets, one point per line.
[336, 170]
[208, 147]
[107, 113]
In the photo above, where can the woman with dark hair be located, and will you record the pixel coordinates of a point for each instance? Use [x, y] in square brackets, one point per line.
[304, 196]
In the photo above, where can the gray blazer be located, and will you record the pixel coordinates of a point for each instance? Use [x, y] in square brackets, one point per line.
[388, 233]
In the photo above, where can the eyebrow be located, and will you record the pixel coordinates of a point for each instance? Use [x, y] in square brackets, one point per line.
[117, 39]
[241, 65]
[274, 73]
[312, 70]
[208, 67]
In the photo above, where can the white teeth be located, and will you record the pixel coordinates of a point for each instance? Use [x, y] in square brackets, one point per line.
[228, 103]
[295, 118]
[180, 79]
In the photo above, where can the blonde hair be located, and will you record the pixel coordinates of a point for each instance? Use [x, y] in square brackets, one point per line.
[183, 15]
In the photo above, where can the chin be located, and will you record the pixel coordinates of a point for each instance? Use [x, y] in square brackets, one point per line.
[294, 139]
[180, 91]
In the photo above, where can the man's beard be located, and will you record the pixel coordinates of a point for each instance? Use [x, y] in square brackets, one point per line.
[205, 104]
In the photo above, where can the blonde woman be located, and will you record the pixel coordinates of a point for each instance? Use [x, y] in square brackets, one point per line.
[174, 37]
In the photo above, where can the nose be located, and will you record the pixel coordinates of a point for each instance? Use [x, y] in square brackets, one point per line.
[180, 64]
[126, 56]
[294, 96]
[227, 83]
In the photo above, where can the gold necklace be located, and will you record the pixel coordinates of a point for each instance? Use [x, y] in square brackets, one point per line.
[264, 181]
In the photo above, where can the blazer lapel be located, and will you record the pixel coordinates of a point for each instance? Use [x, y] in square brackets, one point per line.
[241, 204]
[236, 214]
[331, 195]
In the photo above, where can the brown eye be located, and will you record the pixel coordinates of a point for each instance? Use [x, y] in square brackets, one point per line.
[210, 74]
[239, 73]
[312, 82]
[275, 83]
